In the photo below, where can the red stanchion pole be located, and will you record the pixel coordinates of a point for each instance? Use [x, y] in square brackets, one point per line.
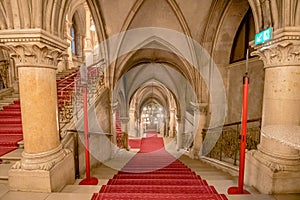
[88, 180]
[243, 136]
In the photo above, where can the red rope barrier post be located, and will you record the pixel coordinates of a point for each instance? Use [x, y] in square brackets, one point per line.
[243, 136]
[88, 180]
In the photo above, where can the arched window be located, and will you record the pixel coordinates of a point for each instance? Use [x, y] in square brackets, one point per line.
[73, 42]
[244, 35]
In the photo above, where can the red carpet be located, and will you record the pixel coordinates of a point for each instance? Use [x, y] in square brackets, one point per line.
[134, 143]
[155, 174]
[118, 129]
[10, 128]
[10, 117]
[151, 134]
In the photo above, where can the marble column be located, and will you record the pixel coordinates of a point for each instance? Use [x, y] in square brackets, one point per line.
[44, 161]
[275, 166]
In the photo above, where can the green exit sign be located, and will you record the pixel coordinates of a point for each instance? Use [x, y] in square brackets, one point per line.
[263, 36]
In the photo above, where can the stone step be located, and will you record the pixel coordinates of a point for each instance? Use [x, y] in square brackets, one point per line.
[81, 189]
[100, 181]
[10, 98]
[12, 156]
[6, 101]
[4, 168]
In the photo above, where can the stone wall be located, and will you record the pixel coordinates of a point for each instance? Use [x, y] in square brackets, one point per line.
[236, 72]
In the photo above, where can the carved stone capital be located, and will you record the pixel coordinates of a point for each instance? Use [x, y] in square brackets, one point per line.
[27, 55]
[33, 47]
[282, 50]
[124, 120]
[41, 161]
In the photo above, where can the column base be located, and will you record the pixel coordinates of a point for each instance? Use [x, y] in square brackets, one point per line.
[194, 153]
[268, 176]
[52, 180]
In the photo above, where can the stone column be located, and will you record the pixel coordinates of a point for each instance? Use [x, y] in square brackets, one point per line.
[69, 39]
[167, 125]
[88, 49]
[114, 107]
[180, 130]
[172, 123]
[275, 166]
[200, 116]
[141, 127]
[132, 121]
[124, 123]
[45, 166]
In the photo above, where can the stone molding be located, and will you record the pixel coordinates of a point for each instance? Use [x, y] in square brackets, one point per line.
[282, 50]
[199, 108]
[32, 36]
[33, 48]
[124, 120]
[41, 161]
[274, 164]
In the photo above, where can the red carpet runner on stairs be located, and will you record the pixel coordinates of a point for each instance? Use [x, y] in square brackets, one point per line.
[11, 131]
[10, 128]
[154, 174]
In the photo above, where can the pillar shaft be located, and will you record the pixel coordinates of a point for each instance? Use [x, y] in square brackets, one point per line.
[281, 103]
[38, 96]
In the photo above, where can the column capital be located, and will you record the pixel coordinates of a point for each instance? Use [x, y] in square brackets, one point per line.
[124, 119]
[282, 50]
[33, 47]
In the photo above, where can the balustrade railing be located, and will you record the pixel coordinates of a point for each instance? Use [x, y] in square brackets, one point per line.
[70, 100]
[4, 74]
[228, 146]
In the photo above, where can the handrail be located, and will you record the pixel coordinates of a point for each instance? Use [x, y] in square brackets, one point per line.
[233, 123]
[227, 147]
[66, 78]
[71, 93]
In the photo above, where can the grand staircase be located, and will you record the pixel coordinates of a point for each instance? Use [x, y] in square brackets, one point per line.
[155, 174]
[11, 132]
[10, 127]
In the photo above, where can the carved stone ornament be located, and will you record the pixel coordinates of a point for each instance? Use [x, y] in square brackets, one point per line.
[283, 50]
[275, 164]
[34, 55]
[41, 161]
[33, 47]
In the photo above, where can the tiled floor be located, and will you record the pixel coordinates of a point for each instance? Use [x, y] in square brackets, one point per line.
[220, 180]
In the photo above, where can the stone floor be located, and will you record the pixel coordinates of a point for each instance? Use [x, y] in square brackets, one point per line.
[219, 179]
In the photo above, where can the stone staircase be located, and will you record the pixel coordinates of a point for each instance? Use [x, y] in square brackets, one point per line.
[11, 133]
[219, 179]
